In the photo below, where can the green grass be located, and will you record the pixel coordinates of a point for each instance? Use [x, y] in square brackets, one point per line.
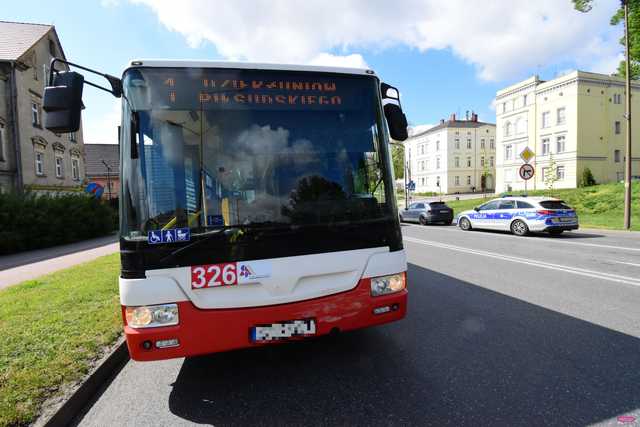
[599, 206]
[52, 329]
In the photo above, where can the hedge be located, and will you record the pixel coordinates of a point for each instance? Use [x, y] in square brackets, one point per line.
[33, 221]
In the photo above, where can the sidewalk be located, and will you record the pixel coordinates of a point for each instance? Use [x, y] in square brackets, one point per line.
[29, 265]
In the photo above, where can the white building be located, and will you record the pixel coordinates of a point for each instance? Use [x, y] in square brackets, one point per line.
[455, 156]
[577, 120]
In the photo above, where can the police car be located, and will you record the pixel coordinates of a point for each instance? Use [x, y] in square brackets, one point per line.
[520, 215]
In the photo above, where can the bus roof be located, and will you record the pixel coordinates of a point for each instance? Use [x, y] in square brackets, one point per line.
[162, 63]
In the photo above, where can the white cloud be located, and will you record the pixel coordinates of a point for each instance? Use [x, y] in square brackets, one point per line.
[101, 127]
[355, 60]
[501, 38]
[416, 129]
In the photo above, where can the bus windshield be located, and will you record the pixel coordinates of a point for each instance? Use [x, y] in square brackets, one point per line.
[213, 148]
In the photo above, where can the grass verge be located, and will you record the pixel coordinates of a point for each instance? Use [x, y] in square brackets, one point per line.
[598, 206]
[53, 328]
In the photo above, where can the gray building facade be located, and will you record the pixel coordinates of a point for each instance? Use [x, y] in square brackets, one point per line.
[31, 157]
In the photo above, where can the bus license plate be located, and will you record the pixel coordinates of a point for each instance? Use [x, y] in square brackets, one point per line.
[283, 330]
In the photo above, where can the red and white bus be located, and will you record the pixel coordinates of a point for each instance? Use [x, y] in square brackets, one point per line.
[257, 202]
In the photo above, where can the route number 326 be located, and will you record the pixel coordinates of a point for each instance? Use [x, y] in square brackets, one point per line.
[214, 275]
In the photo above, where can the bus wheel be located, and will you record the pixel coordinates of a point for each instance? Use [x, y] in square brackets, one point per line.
[464, 224]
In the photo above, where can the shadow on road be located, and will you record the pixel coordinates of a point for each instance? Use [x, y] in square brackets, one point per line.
[463, 356]
[567, 235]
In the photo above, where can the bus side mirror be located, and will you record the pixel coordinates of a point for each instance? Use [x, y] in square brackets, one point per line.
[63, 102]
[397, 122]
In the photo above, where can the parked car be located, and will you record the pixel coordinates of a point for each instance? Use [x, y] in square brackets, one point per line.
[520, 215]
[427, 213]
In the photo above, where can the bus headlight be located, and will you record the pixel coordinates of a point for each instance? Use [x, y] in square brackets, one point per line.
[384, 285]
[152, 316]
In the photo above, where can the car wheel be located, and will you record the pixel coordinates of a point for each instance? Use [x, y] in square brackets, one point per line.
[519, 228]
[555, 232]
[464, 224]
[423, 220]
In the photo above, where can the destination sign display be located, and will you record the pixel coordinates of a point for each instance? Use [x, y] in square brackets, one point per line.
[209, 89]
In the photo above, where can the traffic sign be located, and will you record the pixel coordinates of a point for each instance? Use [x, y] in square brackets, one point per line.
[411, 186]
[526, 171]
[527, 154]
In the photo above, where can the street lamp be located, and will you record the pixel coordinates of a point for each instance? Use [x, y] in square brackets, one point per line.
[108, 178]
[627, 116]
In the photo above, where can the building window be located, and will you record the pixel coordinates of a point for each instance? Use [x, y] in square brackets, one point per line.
[438, 163]
[457, 180]
[39, 163]
[524, 100]
[75, 169]
[468, 179]
[52, 48]
[482, 161]
[492, 144]
[507, 129]
[560, 172]
[616, 127]
[59, 167]
[35, 114]
[73, 136]
[437, 145]
[546, 122]
[616, 156]
[560, 144]
[617, 98]
[491, 161]
[422, 181]
[545, 146]
[468, 162]
[504, 107]
[468, 144]
[544, 173]
[508, 152]
[560, 116]
[457, 162]
[457, 143]
[482, 144]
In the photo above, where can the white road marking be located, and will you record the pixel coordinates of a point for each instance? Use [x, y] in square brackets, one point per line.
[563, 268]
[554, 240]
[627, 263]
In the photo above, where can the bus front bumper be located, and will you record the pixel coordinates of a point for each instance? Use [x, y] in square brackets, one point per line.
[203, 331]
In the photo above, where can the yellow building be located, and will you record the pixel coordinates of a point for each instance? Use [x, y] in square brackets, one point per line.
[576, 120]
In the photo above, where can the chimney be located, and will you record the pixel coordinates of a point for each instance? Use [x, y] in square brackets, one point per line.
[474, 117]
[466, 115]
[441, 121]
[453, 117]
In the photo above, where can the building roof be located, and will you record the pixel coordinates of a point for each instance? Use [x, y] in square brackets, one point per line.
[453, 124]
[96, 153]
[16, 38]
[245, 65]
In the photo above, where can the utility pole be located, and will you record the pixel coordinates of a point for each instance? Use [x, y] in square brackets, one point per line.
[108, 179]
[627, 163]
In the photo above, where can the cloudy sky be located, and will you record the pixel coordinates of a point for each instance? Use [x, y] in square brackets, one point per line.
[445, 56]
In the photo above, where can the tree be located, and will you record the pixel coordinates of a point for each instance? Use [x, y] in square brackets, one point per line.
[587, 178]
[397, 156]
[634, 33]
[551, 174]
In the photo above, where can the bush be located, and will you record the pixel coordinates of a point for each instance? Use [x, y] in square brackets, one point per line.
[32, 221]
[587, 178]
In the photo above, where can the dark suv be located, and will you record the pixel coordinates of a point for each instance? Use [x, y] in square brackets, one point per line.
[427, 213]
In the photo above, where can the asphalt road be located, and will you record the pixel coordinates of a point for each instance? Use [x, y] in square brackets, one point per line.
[501, 330]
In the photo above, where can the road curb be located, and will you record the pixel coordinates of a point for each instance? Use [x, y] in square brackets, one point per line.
[106, 368]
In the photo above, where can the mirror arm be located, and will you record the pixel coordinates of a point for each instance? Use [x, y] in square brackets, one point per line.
[116, 83]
